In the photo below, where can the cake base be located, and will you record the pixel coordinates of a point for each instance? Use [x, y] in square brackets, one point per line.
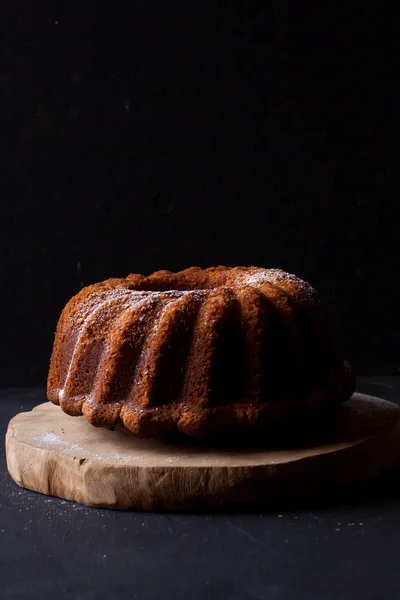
[52, 453]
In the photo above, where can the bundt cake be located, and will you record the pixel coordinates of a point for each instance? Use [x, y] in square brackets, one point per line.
[198, 351]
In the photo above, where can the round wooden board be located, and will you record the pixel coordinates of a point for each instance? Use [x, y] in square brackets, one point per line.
[52, 453]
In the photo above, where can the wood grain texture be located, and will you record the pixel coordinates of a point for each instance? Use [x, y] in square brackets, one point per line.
[52, 453]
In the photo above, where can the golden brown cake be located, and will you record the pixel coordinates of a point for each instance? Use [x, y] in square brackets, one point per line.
[199, 351]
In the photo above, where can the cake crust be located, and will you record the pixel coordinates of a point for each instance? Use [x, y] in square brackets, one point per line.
[199, 351]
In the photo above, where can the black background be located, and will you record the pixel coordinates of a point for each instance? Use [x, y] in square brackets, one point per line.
[148, 135]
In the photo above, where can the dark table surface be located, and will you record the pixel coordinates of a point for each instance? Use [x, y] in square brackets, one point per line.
[51, 548]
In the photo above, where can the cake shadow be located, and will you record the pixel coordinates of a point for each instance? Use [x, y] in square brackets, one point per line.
[288, 435]
[332, 425]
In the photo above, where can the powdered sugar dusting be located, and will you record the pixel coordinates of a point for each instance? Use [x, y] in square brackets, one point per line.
[53, 440]
[276, 276]
[125, 298]
[84, 309]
